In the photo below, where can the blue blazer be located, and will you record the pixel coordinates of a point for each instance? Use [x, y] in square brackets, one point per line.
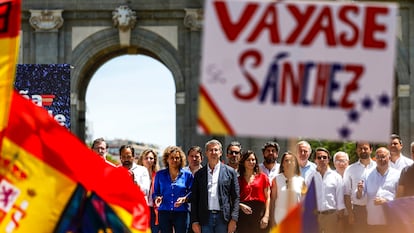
[228, 192]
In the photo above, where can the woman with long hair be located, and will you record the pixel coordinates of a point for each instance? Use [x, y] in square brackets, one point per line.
[288, 187]
[254, 195]
[149, 160]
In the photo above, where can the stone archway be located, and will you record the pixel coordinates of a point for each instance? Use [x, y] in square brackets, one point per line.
[104, 45]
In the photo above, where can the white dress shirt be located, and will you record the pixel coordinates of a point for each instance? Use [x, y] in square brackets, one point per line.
[401, 162]
[329, 190]
[213, 176]
[377, 185]
[272, 173]
[141, 178]
[353, 174]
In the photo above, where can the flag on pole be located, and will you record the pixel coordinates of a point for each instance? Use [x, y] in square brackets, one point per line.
[302, 218]
[49, 180]
[42, 166]
[400, 214]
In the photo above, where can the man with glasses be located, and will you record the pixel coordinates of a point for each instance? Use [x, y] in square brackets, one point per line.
[329, 192]
[270, 166]
[379, 186]
[341, 162]
[233, 154]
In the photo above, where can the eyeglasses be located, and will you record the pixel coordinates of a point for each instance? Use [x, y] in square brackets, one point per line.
[322, 157]
[340, 161]
[149, 158]
[234, 152]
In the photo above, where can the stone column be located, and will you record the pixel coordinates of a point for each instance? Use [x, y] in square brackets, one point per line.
[46, 24]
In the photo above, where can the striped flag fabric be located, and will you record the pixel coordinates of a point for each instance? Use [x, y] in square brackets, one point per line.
[50, 181]
[9, 41]
[400, 214]
[301, 218]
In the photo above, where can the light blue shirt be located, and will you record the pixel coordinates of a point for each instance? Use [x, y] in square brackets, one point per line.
[377, 185]
[307, 169]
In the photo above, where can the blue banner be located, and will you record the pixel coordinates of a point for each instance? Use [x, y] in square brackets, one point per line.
[48, 86]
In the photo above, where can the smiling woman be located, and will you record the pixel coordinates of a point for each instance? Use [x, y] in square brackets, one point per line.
[132, 97]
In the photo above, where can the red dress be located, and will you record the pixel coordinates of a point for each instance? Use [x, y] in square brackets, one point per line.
[253, 195]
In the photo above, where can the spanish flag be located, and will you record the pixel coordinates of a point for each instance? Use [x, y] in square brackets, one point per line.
[302, 217]
[49, 180]
[9, 41]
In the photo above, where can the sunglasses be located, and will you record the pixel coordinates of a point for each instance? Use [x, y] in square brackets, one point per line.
[322, 157]
[234, 152]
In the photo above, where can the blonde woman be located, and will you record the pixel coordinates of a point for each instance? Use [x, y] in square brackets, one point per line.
[149, 159]
[287, 190]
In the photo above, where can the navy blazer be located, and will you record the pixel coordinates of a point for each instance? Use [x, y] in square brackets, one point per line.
[228, 193]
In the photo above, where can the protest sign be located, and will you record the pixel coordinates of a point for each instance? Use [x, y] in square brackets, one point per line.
[298, 69]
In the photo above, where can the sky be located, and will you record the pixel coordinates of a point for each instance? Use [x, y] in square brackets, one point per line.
[132, 97]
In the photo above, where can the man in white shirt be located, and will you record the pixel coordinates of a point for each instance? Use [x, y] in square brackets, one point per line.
[215, 194]
[398, 160]
[270, 166]
[329, 192]
[139, 174]
[357, 212]
[379, 186]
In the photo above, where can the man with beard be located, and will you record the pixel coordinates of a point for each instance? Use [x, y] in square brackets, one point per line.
[270, 167]
[233, 154]
[139, 174]
[357, 212]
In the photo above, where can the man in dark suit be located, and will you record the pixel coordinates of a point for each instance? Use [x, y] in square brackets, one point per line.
[215, 194]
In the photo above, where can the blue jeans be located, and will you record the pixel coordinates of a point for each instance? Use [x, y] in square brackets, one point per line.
[216, 224]
[172, 221]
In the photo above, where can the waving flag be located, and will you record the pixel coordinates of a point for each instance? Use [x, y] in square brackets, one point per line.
[302, 217]
[9, 41]
[49, 180]
[400, 214]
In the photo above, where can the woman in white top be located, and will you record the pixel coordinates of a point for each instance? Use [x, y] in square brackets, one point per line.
[149, 159]
[287, 190]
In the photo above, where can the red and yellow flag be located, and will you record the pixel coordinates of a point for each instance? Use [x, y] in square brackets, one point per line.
[301, 218]
[9, 42]
[49, 180]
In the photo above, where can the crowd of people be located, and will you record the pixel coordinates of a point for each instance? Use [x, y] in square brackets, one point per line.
[195, 194]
